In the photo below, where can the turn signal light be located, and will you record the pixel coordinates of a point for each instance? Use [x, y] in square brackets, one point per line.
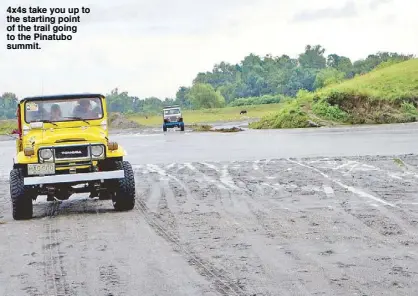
[28, 151]
[113, 146]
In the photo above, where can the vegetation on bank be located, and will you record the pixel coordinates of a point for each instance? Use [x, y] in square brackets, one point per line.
[209, 128]
[388, 94]
[7, 126]
[193, 118]
[227, 114]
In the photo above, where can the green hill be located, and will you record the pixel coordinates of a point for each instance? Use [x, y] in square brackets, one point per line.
[388, 94]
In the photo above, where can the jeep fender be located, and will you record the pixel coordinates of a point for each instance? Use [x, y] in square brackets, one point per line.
[120, 152]
[21, 158]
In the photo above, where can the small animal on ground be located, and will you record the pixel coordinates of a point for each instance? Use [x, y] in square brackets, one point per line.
[146, 117]
[243, 112]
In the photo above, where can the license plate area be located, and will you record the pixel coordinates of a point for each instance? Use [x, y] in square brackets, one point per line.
[41, 169]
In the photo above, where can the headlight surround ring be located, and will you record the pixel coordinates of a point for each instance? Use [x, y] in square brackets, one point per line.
[46, 154]
[97, 150]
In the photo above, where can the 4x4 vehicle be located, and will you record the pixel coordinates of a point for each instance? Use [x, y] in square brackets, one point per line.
[62, 144]
[172, 117]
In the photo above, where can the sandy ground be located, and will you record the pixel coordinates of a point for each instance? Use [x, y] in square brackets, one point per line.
[248, 213]
[310, 226]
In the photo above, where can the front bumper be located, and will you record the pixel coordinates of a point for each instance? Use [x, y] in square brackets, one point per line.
[69, 178]
[174, 123]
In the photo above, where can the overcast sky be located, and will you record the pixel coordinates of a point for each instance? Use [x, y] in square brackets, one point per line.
[150, 48]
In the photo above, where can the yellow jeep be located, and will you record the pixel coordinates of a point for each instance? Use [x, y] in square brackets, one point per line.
[63, 143]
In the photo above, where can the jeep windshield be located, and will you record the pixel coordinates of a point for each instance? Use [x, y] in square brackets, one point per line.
[172, 111]
[59, 110]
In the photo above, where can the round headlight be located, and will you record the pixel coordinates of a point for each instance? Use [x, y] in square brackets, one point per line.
[46, 153]
[97, 150]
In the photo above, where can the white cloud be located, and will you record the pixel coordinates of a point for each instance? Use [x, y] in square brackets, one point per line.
[150, 48]
[374, 4]
[348, 10]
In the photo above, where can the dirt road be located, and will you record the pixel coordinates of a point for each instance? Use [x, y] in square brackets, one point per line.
[337, 226]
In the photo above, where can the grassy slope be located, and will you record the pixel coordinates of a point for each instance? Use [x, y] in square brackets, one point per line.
[385, 95]
[399, 81]
[213, 115]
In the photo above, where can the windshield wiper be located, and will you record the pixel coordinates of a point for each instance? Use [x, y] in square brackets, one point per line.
[48, 121]
[78, 118]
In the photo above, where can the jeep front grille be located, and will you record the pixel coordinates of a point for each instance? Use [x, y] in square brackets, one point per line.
[72, 152]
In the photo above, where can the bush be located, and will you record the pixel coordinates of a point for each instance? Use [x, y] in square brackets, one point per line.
[326, 111]
[291, 116]
[266, 99]
[409, 108]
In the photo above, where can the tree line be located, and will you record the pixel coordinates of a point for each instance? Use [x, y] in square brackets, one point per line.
[255, 80]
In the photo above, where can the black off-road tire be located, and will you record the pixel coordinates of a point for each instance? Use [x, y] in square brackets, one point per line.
[20, 196]
[123, 197]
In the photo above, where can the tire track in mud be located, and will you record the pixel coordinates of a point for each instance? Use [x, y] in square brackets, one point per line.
[109, 277]
[375, 223]
[66, 234]
[278, 230]
[54, 270]
[255, 238]
[5, 202]
[243, 199]
[221, 282]
[245, 240]
[109, 273]
[92, 250]
[79, 231]
[339, 199]
[111, 270]
[394, 219]
[47, 265]
[148, 189]
[263, 245]
[183, 200]
[165, 223]
[12, 272]
[393, 244]
[396, 180]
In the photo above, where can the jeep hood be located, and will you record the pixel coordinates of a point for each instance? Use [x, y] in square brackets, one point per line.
[65, 135]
